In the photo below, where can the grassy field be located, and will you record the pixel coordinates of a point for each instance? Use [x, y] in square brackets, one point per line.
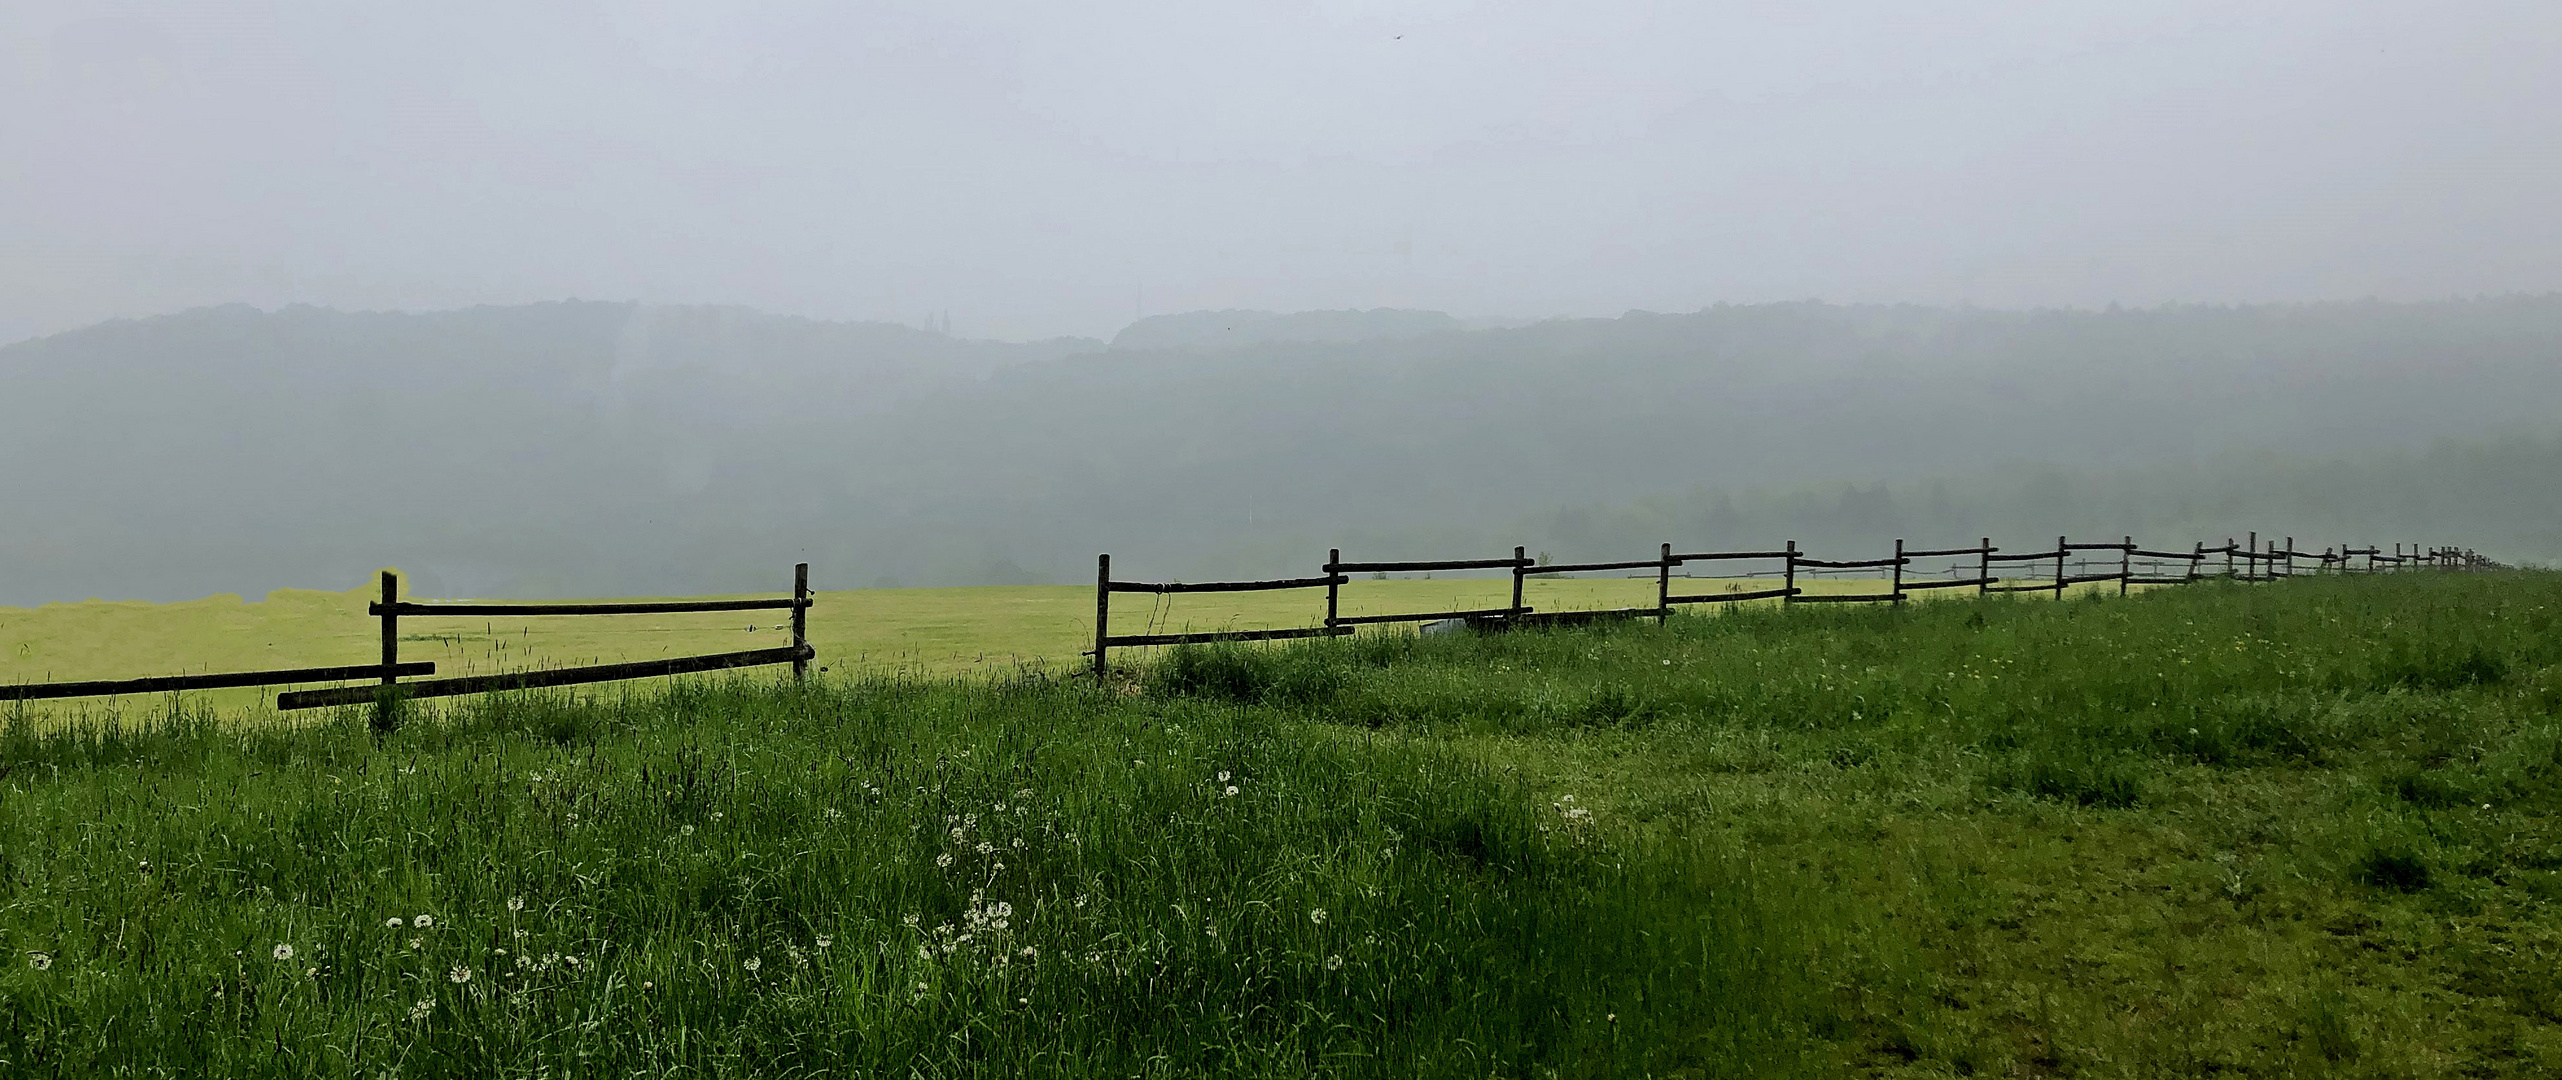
[997, 630]
[2306, 829]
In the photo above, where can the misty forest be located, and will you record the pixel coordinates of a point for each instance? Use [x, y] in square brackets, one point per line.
[492, 451]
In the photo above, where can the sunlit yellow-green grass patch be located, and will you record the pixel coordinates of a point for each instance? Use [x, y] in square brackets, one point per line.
[986, 630]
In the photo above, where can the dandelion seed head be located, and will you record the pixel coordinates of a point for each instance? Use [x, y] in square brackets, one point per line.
[39, 960]
[1317, 916]
[284, 952]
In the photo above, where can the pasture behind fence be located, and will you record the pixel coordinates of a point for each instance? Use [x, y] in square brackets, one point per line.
[1788, 566]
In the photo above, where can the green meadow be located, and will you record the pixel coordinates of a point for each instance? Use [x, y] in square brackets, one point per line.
[2302, 829]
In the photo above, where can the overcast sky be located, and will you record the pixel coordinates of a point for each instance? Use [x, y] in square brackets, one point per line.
[1040, 168]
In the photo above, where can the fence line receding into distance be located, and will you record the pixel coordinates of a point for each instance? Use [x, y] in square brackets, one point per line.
[2245, 561]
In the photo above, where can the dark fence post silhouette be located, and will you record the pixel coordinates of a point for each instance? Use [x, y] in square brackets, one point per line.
[1103, 612]
[1520, 570]
[800, 622]
[385, 707]
[1333, 590]
[1663, 587]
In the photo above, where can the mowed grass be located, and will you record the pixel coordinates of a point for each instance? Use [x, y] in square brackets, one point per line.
[2296, 829]
[989, 631]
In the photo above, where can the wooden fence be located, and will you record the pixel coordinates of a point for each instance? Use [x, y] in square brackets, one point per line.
[2242, 561]
[388, 673]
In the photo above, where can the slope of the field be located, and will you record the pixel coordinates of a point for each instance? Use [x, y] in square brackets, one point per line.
[2304, 829]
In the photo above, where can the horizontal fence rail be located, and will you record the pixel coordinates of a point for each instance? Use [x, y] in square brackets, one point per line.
[224, 681]
[529, 680]
[2051, 570]
[642, 607]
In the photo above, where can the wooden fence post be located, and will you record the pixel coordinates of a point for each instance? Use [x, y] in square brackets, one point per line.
[2060, 552]
[2125, 564]
[2251, 566]
[1518, 572]
[1663, 587]
[2290, 556]
[2197, 554]
[1790, 597]
[1983, 566]
[800, 621]
[1898, 590]
[1102, 612]
[385, 707]
[1333, 587]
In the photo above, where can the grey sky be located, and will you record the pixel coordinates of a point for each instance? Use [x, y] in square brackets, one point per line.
[1042, 168]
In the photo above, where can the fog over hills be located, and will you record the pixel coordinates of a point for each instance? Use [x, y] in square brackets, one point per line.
[615, 449]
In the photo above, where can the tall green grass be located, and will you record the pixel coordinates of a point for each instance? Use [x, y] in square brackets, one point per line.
[2294, 829]
[753, 880]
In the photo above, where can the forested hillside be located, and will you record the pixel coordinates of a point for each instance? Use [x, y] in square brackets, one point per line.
[597, 448]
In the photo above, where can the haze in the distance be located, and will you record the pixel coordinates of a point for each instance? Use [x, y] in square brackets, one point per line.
[1040, 169]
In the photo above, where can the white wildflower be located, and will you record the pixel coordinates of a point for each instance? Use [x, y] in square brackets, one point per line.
[458, 975]
[944, 859]
[825, 941]
[752, 964]
[1232, 789]
[395, 922]
[284, 952]
[1223, 776]
[1317, 916]
[1334, 963]
[515, 903]
[423, 922]
[424, 1008]
[39, 960]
